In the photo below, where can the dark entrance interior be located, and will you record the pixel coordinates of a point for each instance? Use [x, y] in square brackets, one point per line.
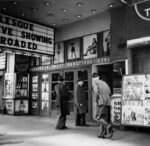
[106, 74]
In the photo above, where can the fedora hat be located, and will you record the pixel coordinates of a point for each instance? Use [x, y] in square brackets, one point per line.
[80, 79]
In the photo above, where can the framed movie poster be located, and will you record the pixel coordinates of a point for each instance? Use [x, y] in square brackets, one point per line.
[90, 46]
[73, 49]
[106, 43]
[59, 53]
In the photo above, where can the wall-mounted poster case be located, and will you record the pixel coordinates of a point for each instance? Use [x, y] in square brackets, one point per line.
[136, 100]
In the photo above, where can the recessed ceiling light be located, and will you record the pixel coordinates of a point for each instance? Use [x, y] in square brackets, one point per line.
[4, 9]
[15, 3]
[65, 20]
[47, 3]
[22, 14]
[39, 19]
[63, 10]
[50, 14]
[34, 9]
[79, 16]
[111, 5]
[54, 24]
[79, 4]
[93, 11]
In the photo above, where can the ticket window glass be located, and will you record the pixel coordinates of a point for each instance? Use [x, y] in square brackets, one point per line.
[54, 81]
[44, 104]
[69, 81]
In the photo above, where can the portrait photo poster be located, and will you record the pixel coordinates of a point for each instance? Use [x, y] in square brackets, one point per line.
[73, 49]
[59, 53]
[106, 43]
[90, 46]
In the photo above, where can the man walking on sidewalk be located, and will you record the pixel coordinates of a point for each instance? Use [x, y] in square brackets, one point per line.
[102, 93]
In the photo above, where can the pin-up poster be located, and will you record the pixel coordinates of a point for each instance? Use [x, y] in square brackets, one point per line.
[59, 53]
[90, 46]
[73, 49]
[106, 43]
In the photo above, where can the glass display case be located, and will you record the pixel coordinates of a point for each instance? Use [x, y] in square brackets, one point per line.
[44, 108]
[34, 104]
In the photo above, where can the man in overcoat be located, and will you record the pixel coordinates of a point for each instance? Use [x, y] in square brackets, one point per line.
[102, 95]
[81, 104]
[62, 98]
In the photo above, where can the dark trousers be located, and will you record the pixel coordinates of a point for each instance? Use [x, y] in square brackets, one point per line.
[61, 121]
[80, 119]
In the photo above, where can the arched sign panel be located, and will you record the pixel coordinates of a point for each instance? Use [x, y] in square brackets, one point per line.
[143, 10]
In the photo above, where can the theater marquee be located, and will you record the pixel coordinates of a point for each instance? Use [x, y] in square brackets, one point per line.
[25, 36]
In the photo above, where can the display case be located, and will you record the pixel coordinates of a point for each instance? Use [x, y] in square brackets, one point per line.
[16, 93]
[21, 99]
[136, 100]
[34, 94]
[44, 110]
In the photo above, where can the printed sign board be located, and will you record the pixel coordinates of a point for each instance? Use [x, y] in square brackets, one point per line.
[136, 100]
[23, 35]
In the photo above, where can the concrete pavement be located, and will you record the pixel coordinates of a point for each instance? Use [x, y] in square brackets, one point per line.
[39, 131]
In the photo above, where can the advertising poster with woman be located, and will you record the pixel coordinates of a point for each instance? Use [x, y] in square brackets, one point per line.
[90, 46]
[59, 53]
[73, 49]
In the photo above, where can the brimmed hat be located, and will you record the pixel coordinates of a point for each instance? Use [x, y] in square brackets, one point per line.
[80, 79]
[94, 75]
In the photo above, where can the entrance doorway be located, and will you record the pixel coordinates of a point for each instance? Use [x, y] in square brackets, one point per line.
[106, 74]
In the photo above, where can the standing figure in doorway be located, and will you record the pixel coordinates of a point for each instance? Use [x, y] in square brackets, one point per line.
[62, 98]
[81, 104]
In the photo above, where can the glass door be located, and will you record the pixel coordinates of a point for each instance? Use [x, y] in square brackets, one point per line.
[54, 81]
[44, 106]
[69, 81]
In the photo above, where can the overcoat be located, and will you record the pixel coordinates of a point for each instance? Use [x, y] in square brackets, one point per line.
[62, 98]
[81, 99]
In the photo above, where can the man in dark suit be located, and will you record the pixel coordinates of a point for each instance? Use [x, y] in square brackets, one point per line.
[81, 104]
[62, 98]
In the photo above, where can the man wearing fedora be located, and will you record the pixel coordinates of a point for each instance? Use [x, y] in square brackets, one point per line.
[62, 98]
[81, 104]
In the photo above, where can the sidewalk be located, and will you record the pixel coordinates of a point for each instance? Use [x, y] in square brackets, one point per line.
[39, 131]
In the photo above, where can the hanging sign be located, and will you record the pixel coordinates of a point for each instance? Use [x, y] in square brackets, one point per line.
[23, 35]
[143, 10]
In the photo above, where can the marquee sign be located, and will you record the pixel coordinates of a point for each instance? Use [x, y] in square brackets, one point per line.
[143, 10]
[26, 36]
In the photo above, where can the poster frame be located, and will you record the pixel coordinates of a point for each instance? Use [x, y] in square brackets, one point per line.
[130, 125]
